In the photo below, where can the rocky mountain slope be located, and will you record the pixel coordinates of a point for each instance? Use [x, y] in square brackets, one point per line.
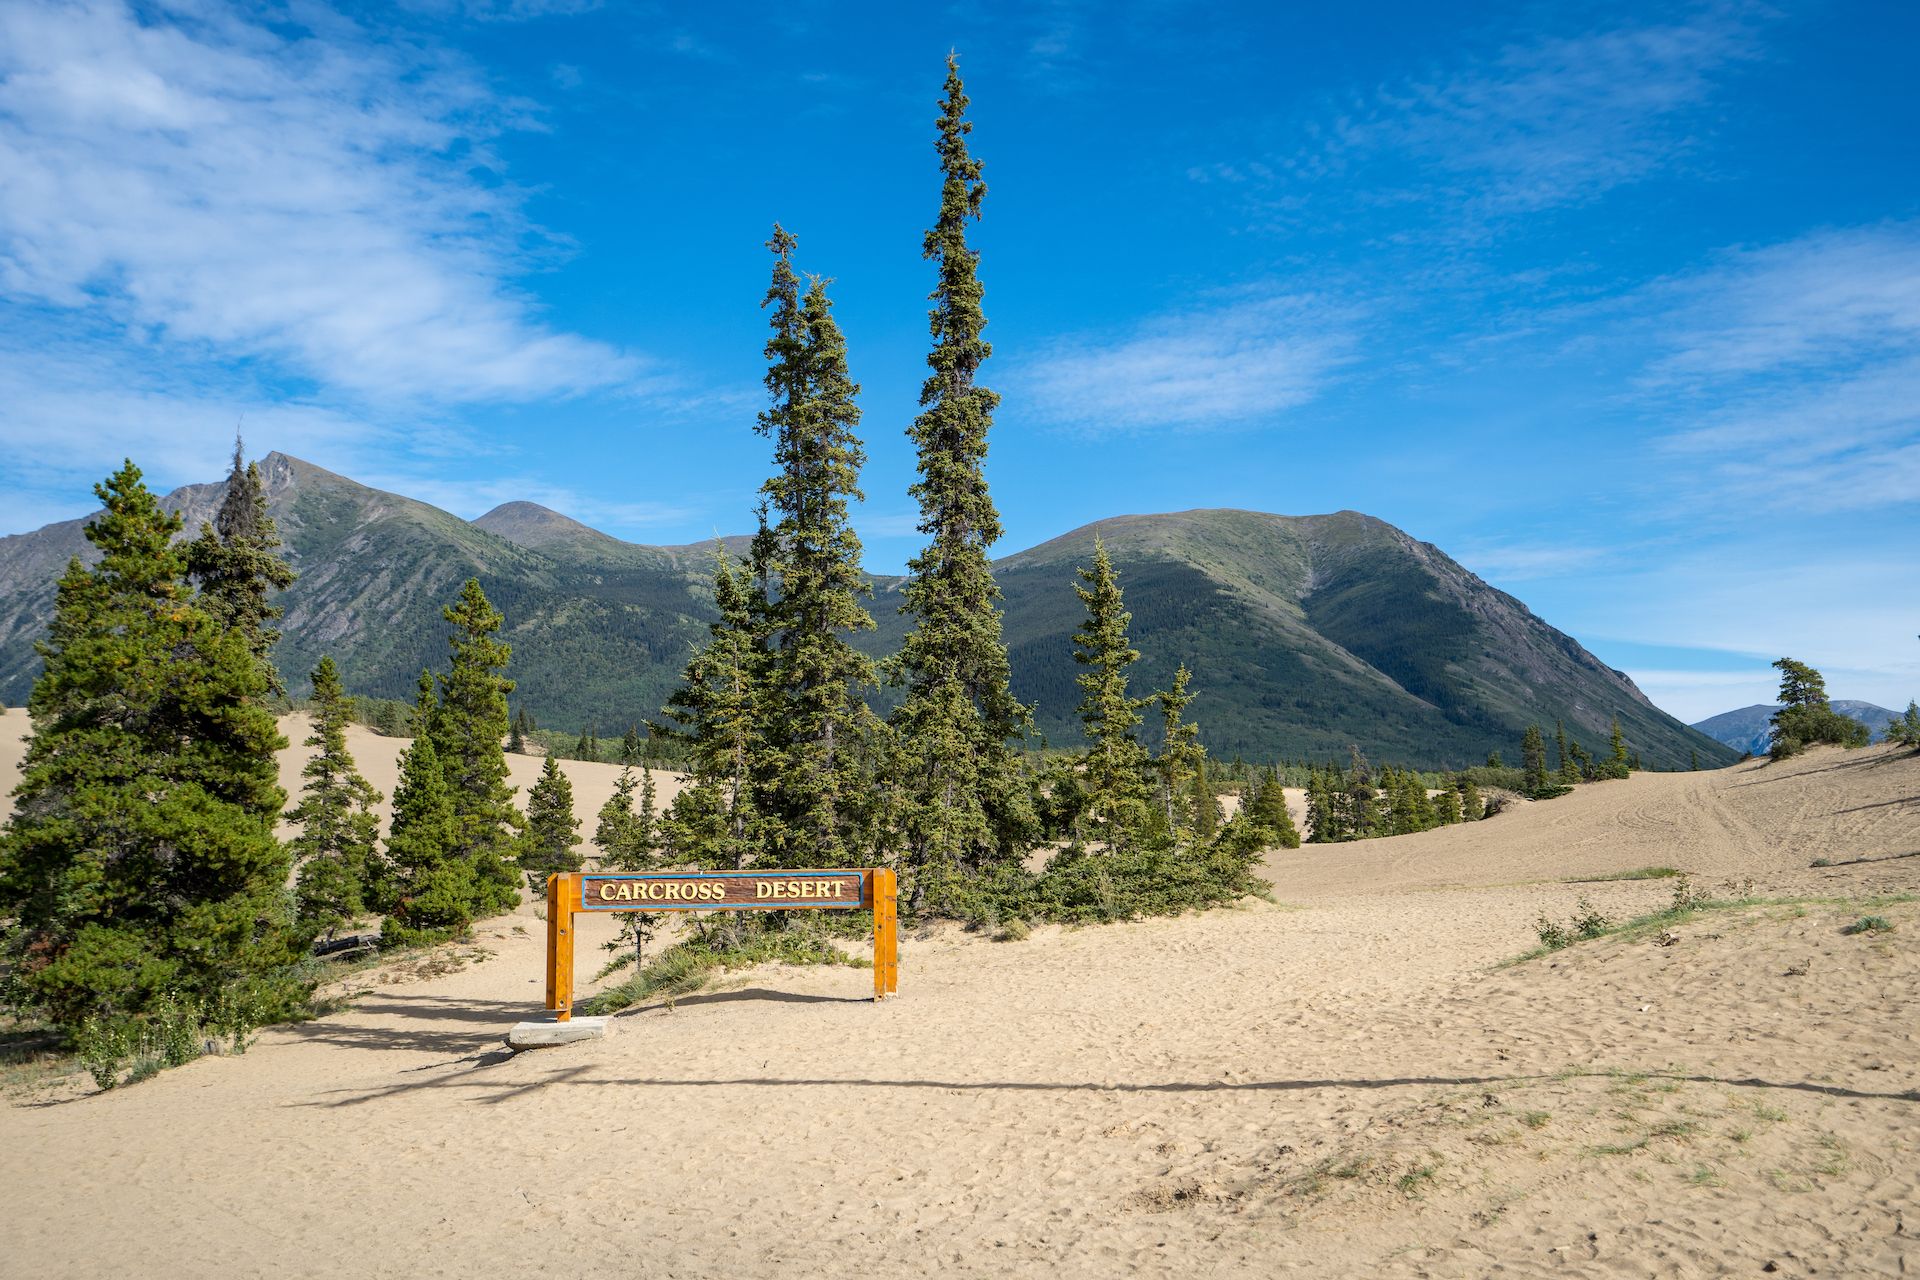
[1749, 729]
[1306, 634]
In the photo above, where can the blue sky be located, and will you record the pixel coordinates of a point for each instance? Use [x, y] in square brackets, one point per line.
[1618, 304]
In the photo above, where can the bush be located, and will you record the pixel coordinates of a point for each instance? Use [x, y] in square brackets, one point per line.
[1587, 923]
[1869, 924]
[1805, 726]
[171, 1033]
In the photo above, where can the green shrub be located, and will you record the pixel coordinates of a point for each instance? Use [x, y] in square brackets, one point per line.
[1869, 924]
[1587, 923]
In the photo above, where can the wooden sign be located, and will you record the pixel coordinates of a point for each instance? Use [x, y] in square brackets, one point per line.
[723, 890]
[573, 893]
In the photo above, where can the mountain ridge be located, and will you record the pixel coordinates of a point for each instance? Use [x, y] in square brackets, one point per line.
[1750, 729]
[1307, 634]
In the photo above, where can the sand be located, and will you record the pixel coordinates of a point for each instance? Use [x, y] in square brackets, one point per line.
[1344, 1082]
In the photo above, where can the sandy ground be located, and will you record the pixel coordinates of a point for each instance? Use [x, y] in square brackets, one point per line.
[1345, 1082]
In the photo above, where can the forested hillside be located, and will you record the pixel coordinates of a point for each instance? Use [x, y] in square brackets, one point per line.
[1306, 634]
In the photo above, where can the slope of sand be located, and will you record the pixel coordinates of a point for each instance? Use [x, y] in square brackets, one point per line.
[1347, 1084]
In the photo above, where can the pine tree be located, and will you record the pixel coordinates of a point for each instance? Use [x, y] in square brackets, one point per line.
[1446, 807]
[962, 805]
[817, 798]
[516, 734]
[427, 893]
[717, 715]
[552, 832]
[630, 746]
[140, 862]
[1362, 818]
[583, 749]
[468, 729]
[1115, 762]
[339, 831]
[1694, 765]
[234, 562]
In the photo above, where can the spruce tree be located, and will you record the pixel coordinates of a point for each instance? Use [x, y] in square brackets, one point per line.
[1267, 808]
[1204, 805]
[339, 831]
[468, 729]
[1618, 764]
[1533, 763]
[552, 832]
[1564, 765]
[235, 564]
[629, 841]
[1472, 808]
[1323, 823]
[816, 799]
[140, 862]
[427, 893]
[1115, 762]
[717, 715]
[1182, 758]
[630, 746]
[962, 805]
[516, 734]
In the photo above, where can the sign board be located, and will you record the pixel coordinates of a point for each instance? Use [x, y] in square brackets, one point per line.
[846, 889]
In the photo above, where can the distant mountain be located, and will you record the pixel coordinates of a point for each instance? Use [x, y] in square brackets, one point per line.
[1750, 729]
[1306, 634]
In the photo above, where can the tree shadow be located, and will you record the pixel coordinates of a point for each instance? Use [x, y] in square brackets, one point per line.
[743, 993]
[490, 1093]
[1856, 862]
[1878, 804]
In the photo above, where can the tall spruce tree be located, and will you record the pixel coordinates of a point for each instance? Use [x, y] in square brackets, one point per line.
[962, 804]
[339, 831]
[553, 832]
[236, 566]
[468, 729]
[717, 714]
[1115, 769]
[140, 862]
[817, 798]
[1182, 758]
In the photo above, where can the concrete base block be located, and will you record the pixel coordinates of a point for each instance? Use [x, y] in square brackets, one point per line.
[537, 1035]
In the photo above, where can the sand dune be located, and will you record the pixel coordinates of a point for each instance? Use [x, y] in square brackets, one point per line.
[1346, 1084]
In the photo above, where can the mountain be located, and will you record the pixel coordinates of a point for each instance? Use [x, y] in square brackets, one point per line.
[1750, 730]
[1306, 634]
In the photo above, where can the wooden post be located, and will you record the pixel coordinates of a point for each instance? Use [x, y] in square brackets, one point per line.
[560, 900]
[886, 933]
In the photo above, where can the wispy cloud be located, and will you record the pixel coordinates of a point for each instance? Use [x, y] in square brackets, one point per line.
[1796, 368]
[1539, 124]
[1223, 365]
[313, 199]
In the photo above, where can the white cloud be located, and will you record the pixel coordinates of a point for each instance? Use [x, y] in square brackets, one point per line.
[1834, 297]
[1540, 124]
[1806, 356]
[1224, 365]
[308, 198]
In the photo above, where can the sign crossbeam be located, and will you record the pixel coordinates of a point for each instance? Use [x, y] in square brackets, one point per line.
[571, 894]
